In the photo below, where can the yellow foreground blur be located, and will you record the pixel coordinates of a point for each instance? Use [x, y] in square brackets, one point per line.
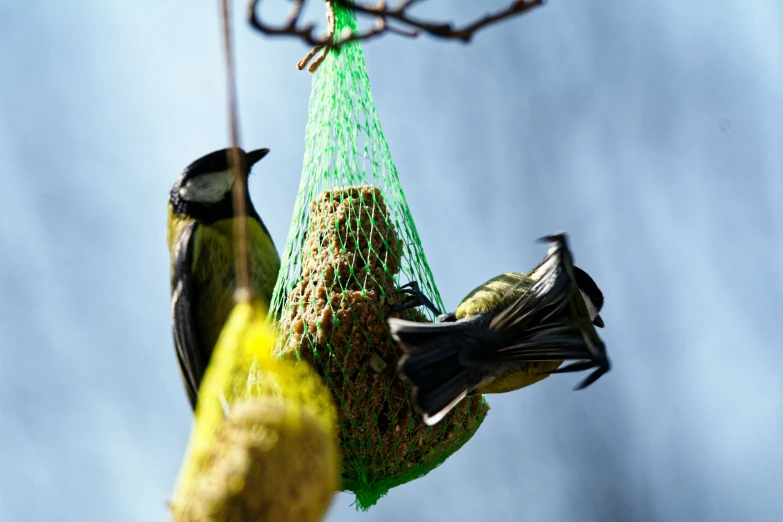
[264, 443]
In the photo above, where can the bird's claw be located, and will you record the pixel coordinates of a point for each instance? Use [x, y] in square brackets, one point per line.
[415, 297]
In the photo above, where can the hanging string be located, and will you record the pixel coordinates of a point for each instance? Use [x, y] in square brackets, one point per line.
[239, 188]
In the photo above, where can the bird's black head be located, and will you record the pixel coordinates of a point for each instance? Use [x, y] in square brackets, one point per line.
[203, 191]
[594, 298]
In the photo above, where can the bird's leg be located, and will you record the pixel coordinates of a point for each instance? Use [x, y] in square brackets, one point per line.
[415, 297]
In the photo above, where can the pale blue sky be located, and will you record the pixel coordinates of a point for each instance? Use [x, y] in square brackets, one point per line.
[650, 131]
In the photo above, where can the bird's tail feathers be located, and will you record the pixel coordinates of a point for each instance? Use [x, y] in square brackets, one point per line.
[431, 364]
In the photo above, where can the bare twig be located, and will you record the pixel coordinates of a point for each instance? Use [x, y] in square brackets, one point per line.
[305, 32]
[441, 29]
[383, 14]
[239, 189]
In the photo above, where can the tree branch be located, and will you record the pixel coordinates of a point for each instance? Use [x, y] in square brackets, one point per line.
[383, 14]
[440, 29]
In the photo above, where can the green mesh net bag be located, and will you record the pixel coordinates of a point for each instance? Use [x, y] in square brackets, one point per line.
[351, 245]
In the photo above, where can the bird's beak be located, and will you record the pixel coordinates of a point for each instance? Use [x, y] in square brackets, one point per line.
[254, 156]
[598, 321]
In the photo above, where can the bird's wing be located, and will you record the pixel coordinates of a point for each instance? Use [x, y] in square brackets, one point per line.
[550, 342]
[538, 325]
[549, 294]
[183, 300]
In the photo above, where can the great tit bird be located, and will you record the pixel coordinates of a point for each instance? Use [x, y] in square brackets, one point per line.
[201, 243]
[499, 330]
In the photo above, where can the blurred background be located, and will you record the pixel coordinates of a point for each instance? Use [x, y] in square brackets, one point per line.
[650, 131]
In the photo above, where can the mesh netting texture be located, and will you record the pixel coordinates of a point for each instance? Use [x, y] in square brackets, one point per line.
[351, 245]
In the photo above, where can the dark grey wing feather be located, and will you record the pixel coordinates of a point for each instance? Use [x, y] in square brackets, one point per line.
[191, 363]
[546, 298]
[532, 328]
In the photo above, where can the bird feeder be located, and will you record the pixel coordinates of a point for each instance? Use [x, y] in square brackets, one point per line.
[351, 245]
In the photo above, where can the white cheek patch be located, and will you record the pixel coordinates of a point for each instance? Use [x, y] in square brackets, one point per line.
[590, 306]
[207, 188]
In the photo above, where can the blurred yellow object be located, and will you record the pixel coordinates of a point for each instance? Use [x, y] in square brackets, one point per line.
[264, 444]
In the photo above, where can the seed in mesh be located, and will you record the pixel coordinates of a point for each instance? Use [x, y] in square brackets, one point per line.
[335, 318]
